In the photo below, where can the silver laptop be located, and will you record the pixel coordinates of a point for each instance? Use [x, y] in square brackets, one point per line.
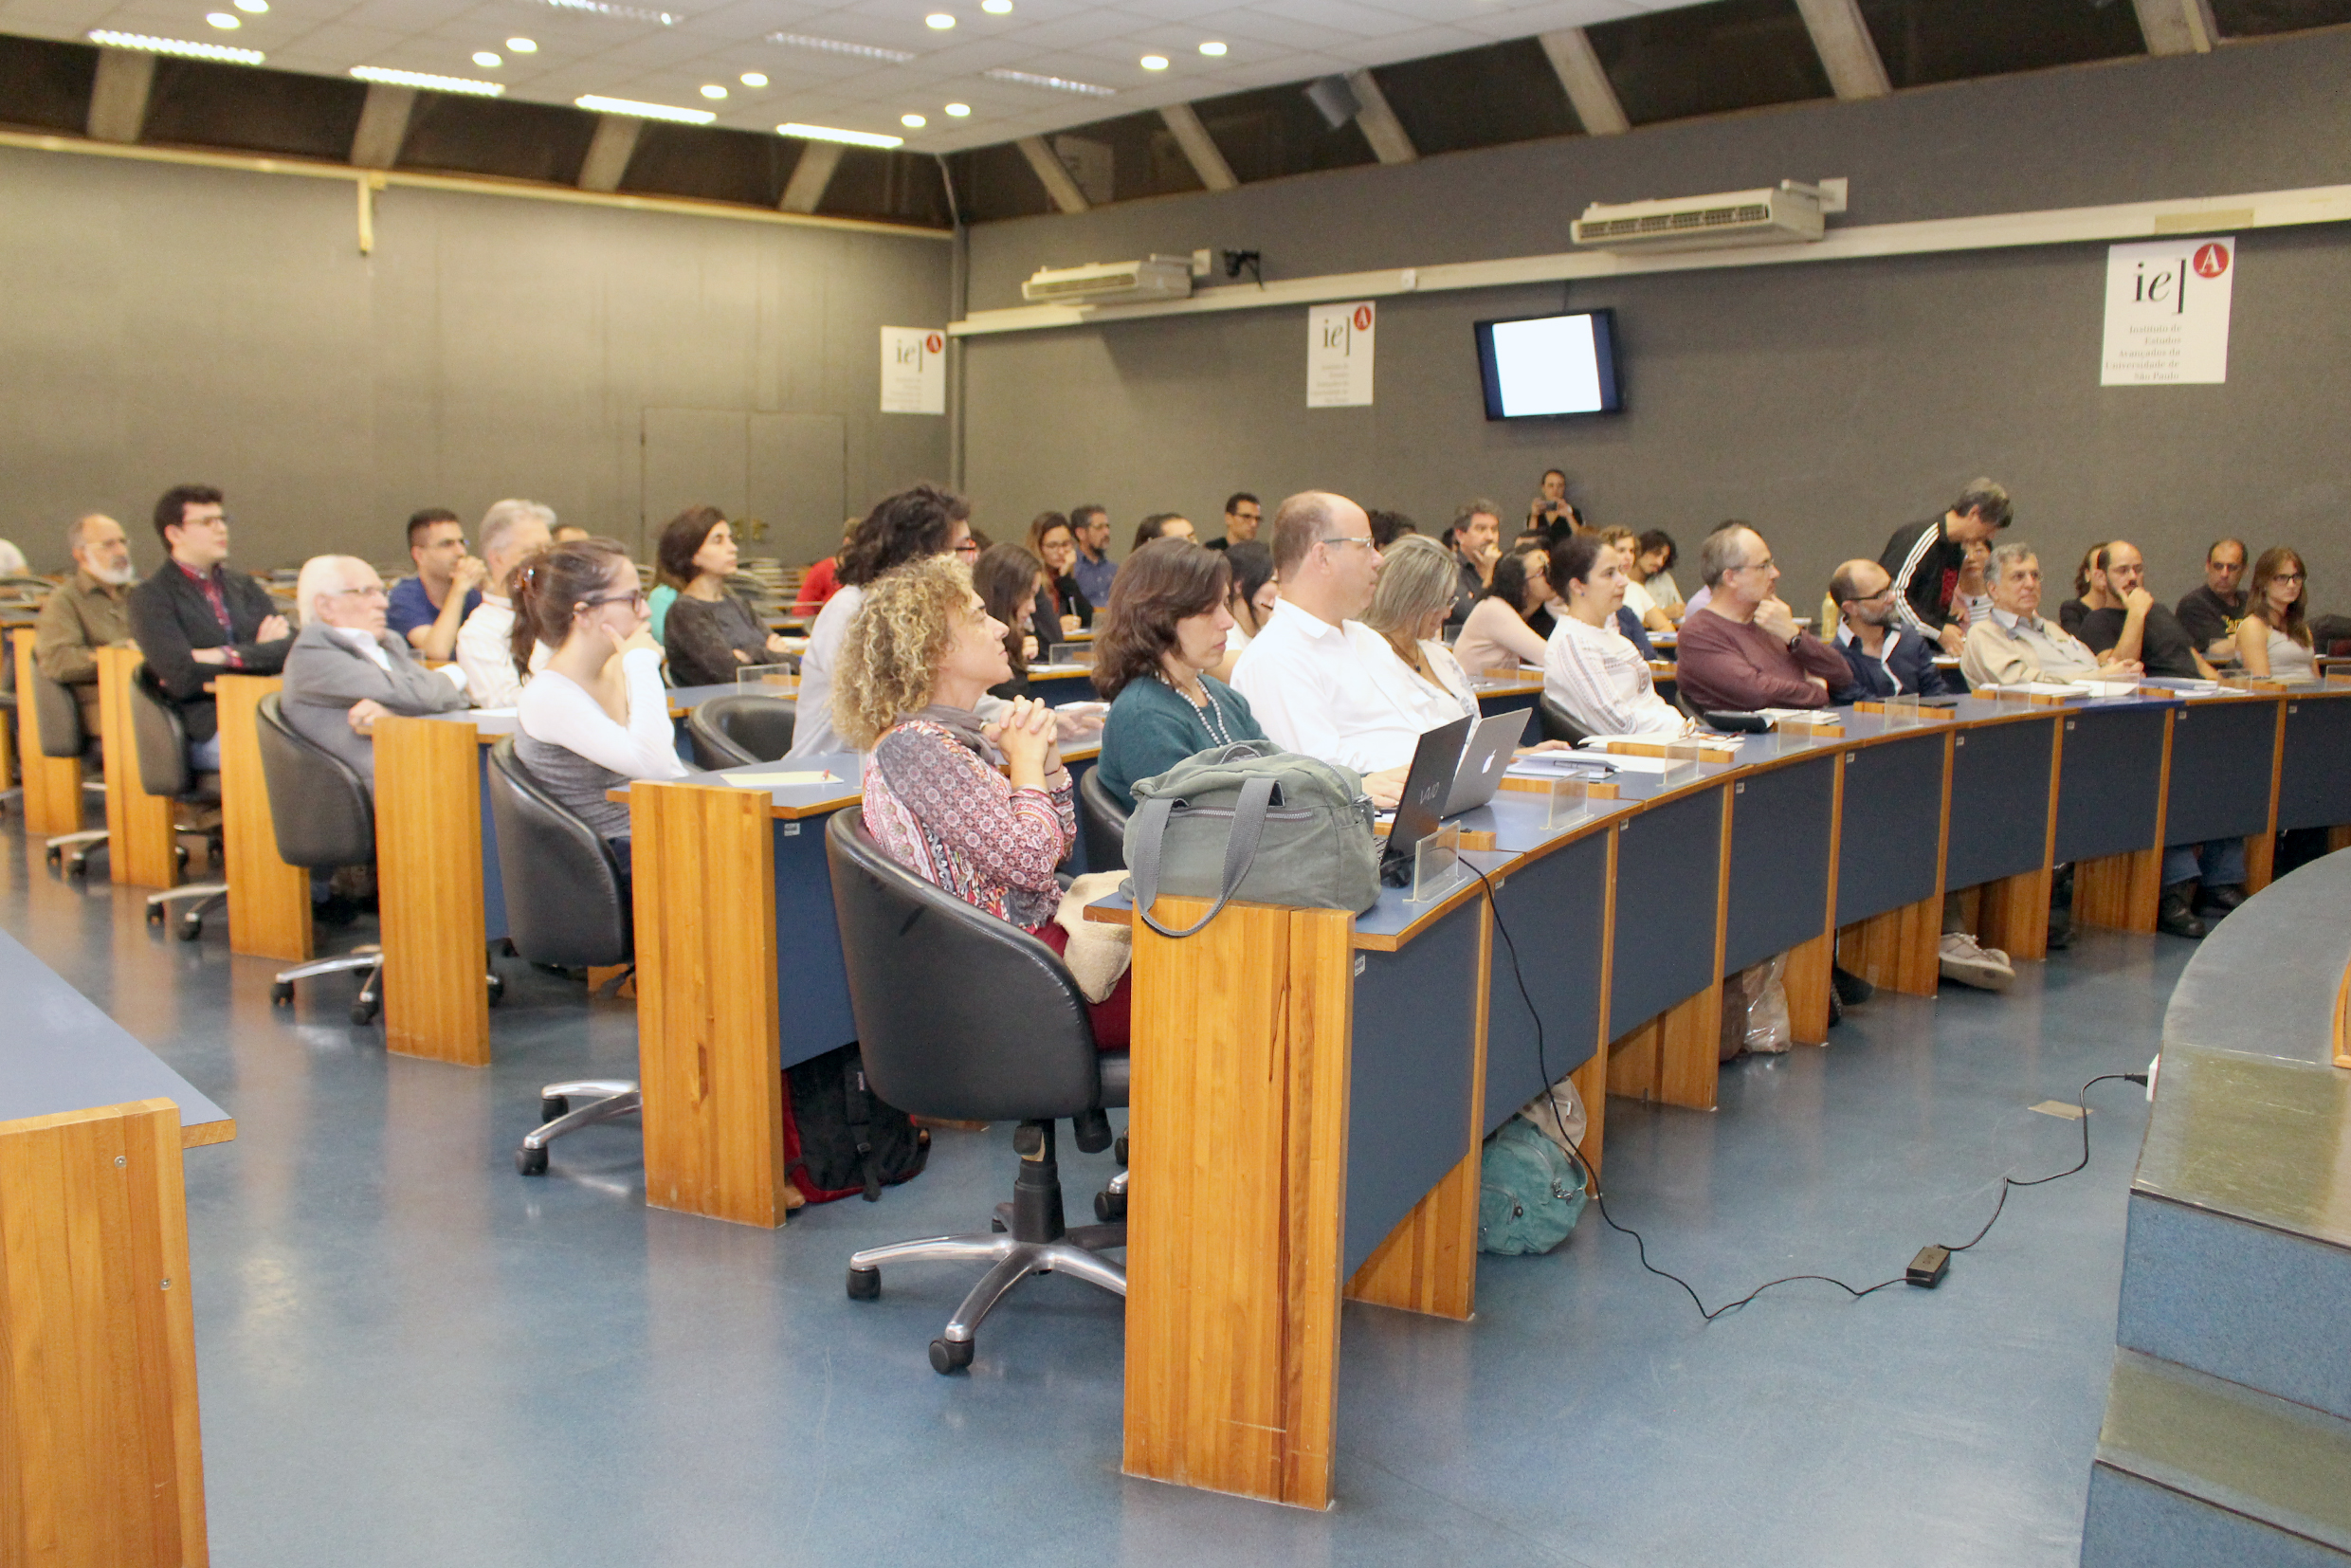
[1483, 760]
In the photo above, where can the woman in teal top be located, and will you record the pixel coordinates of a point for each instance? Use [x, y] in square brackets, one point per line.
[1163, 632]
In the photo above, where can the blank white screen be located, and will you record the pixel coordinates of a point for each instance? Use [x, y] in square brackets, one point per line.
[1546, 366]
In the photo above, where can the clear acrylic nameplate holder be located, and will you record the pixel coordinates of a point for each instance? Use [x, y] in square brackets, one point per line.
[1070, 654]
[1682, 759]
[1436, 865]
[772, 678]
[1571, 802]
[1904, 712]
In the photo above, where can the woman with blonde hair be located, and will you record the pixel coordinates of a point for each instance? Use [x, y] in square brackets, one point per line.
[915, 662]
[1415, 595]
[2274, 639]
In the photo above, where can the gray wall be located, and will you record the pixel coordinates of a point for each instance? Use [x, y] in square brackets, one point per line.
[1827, 403]
[165, 324]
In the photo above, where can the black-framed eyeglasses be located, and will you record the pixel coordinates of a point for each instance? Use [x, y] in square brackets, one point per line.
[2285, 576]
[634, 598]
[968, 547]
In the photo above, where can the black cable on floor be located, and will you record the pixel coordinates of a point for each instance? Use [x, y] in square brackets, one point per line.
[1641, 1245]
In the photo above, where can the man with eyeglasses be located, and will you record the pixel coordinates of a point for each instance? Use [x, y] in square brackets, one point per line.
[348, 668]
[428, 609]
[1743, 650]
[1886, 660]
[1307, 675]
[1242, 514]
[195, 619]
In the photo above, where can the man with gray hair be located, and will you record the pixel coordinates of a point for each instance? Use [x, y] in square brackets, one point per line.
[89, 611]
[1925, 559]
[512, 532]
[347, 668]
[1476, 538]
[1743, 650]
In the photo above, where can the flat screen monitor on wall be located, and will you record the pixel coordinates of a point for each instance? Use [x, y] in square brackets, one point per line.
[1545, 367]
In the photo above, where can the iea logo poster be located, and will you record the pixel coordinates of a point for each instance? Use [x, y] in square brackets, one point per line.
[2167, 312]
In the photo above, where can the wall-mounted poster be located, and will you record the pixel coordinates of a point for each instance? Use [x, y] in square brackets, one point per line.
[1338, 355]
[2167, 312]
[913, 370]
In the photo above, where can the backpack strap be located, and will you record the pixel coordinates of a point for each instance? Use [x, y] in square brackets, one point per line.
[1149, 828]
[857, 1108]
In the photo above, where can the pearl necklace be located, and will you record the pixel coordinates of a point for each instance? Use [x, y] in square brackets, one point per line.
[1211, 717]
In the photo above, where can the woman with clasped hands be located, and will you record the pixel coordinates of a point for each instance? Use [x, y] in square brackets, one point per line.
[916, 660]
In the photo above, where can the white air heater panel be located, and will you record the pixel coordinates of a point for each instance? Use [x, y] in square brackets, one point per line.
[1111, 282]
[1783, 214]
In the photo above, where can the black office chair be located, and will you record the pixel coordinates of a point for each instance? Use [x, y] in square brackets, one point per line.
[9, 793]
[1101, 818]
[728, 732]
[161, 738]
[567, 905]
[61, 736]
[962, 1016]
[1558, 723]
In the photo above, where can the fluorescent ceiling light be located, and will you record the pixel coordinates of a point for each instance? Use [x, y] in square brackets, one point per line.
[622, 13]
[1058, 83]
[754, 78]
[644, 111]
[826, 133]
[835, 46]
[522, 45]
[391, 78]
[958, 110]
[222, 19]
[487, 61]
[173, 46]
[1211, 50]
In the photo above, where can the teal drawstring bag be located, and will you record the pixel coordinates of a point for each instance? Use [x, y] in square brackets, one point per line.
[1529, 1194]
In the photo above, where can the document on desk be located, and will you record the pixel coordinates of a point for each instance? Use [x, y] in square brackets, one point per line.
[781, 778]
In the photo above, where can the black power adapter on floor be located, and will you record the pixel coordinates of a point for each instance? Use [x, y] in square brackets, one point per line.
[1927, 1270]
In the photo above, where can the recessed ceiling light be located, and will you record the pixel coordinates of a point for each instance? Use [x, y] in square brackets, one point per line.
[253, 8]
[644, 111]
[486, 59]
[912, 122]
[996, 8]
[835, 46]
[712, 90]
[1154, 62]
[826, 133]
[1211, 50]
[520, 46]
[958, 110]
[223, 20]
[939, 19]
[754, 78]
[391, 78]
[182, 47]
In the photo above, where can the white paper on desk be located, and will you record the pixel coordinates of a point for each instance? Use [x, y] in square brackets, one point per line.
[780, 778]
[1552, 766]
[1602, 743]
[1627, 764]
[2119, 688]
[1085, 710]
[2045, 688]
[1807, 714]
[496, 713]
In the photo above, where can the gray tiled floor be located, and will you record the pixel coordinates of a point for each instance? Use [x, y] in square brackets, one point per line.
[409, 1355]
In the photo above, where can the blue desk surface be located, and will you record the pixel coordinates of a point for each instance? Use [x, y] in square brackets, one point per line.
[62, 1053]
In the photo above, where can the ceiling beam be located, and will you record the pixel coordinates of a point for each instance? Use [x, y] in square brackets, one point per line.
[804, 191]
[2177, 26]
[1058, 183]
[119, 96]
[1588, 89]
[1379, 122]
[383, 126]
[609, 153]
[1208, 159]
[1846, 51]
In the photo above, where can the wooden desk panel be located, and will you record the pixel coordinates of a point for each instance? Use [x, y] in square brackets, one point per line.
[102, 1458]
[1241, 1047]
[140, 840]
[52, 784]
[269, 901]
[429, 883]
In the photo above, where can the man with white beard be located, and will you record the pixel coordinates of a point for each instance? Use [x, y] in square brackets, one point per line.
[88, 612]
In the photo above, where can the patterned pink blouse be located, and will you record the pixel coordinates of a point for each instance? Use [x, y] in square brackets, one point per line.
[941, 812]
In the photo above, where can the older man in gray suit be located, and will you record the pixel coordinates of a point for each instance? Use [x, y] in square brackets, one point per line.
[346, 670]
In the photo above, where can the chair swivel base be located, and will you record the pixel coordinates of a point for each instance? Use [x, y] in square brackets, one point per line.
[367, 959]
[1036, 1243]
[209, 896]
[74, 850]
[607, 1097]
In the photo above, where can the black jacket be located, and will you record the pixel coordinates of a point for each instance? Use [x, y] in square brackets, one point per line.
[171, 618]
[1925, 563]
[1914, 672]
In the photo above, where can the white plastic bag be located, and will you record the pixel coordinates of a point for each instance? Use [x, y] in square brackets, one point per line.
[1754, 1010]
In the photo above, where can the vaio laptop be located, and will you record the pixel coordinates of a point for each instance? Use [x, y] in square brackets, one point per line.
[1434, 762]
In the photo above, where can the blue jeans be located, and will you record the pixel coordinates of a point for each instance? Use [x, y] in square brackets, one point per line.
[204, 755]
[2219, 863]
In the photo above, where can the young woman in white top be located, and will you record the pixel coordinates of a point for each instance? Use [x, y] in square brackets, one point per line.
[1591, 669]
[1414, 594]
[2275, 637]
[1250, 598]
[1511, 622]
[1652, 566]
[596, 715]
[1638, 600]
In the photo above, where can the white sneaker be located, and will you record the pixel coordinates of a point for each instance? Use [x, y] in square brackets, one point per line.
[1985, 968]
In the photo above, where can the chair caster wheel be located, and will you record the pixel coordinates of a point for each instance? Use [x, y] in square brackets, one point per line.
[531, 1161]
[498, 989]
[865, 1285]
[57, 858]
[180, 856]
[1110, 1207]
[950, 1356]
[551, 1106]
[155, 914]
[190, 928]
[363, 1011]
[77, 867]
[1120, 1148]
[281, 994]
[997, 1225]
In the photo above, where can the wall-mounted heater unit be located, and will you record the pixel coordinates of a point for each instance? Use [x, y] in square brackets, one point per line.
[1781, 215]
[1111, 282]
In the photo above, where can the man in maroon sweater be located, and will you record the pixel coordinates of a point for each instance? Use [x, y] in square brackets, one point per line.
[1743, 650]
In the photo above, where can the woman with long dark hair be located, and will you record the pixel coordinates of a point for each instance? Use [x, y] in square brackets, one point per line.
[1063, 604]
[2274, 639]
[711, 632]
[1163, 632]
[1511, 622]
[1006, 577]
